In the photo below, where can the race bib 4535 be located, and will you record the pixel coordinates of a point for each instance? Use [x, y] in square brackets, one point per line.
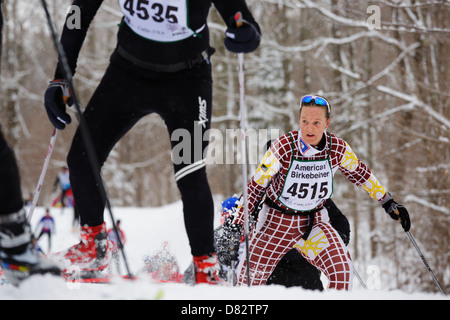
[160, 20]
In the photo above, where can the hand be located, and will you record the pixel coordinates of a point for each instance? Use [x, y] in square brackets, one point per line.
[397, 212]
[344, 237]
[57, 95]
[242, 39]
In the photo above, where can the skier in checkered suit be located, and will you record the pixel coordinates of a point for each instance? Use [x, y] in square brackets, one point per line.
[296, 175]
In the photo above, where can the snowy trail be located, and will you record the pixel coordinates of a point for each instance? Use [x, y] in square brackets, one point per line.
[146, 229]
[47, 287]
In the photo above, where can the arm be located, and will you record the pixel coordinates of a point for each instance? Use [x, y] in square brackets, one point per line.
[242, 38]
[1, 26]
[256, 187]
[358, 173]
[58, 93]
[72, 39]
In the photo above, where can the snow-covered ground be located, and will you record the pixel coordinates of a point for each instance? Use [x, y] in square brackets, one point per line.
[146, 229]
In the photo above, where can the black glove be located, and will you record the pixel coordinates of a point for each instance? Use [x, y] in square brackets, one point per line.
[344, 237]
[397, 211]
[243, 39]
[57, 95]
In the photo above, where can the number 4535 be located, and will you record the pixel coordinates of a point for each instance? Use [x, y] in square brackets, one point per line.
[156, 11]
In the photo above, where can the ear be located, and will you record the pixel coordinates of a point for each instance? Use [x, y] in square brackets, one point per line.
[328, 123]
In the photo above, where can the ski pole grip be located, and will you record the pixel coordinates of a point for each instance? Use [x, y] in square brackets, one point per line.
[238, 19]
[398, 213]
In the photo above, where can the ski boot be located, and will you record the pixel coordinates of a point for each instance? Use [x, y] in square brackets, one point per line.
[92, 254]
[206, 270]
[18, 256]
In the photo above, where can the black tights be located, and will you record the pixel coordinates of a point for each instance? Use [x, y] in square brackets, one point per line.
[10, 191]
[183, 100]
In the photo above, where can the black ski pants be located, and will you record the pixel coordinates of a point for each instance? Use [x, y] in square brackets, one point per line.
[10, 191]
[183, 100]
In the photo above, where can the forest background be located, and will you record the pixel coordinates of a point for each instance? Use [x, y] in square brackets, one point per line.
[384, 65]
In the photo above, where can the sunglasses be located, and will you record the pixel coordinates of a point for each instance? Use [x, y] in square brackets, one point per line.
[319, 101]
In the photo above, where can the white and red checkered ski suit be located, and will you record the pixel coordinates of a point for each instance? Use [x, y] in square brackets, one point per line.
[295, 180]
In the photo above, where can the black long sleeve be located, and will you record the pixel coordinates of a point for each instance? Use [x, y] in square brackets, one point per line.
[72, 39]
[1, 26]
[148, 50]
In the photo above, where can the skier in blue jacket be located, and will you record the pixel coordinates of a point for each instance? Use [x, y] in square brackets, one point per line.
[46, 226]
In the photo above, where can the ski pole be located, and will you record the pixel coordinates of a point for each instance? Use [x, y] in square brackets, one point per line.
[419, 252]
[243, 113]
[90, 151]
[43, 173]
[359, 278]
[411, 238]
[232, 274]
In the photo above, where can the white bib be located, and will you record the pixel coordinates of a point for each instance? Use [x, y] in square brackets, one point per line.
[307, 184]
[160, 20]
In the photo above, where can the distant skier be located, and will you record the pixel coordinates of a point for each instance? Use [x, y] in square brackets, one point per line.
[46, 226]
[63, 182]
[293, 269]
[161, 64]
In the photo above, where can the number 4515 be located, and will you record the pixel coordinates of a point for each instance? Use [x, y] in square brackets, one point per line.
[303, 189]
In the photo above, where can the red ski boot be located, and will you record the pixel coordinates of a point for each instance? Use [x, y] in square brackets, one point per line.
[93, 253]
[206, 270]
